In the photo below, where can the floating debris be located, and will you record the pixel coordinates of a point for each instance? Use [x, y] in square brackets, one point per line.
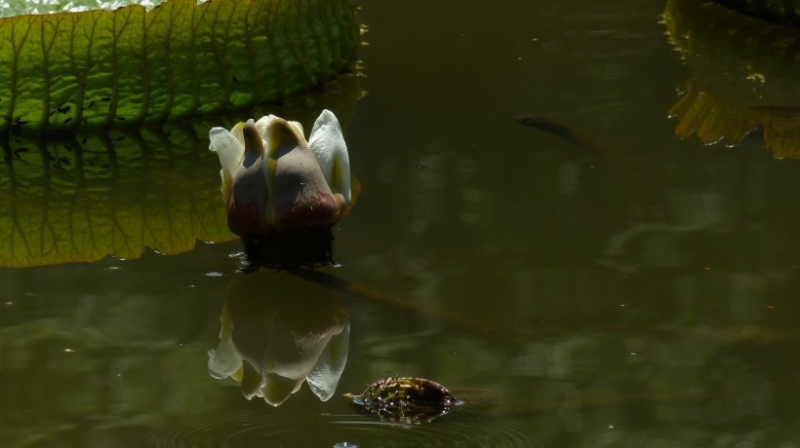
[406, 400]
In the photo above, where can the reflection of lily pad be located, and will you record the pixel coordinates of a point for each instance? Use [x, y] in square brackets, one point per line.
[112, 194]
[95, 69]
[117, 193]
[744, 74]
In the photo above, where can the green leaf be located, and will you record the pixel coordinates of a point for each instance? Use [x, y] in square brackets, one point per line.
[97, 69]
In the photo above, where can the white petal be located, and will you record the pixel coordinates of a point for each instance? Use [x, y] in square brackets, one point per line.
[324, 379]
[266, 122]
[238, 131]
[263, 124]
[252, 381]
[298, 126]
[224, 361]
[327, 143]
[278, 389]
[228, 147]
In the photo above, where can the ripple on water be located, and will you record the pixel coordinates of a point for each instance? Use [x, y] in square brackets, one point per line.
[252, 428]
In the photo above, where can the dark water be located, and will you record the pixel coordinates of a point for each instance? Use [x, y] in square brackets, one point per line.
[639, 292]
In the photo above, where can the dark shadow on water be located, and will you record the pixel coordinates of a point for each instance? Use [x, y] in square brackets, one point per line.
[299, 247]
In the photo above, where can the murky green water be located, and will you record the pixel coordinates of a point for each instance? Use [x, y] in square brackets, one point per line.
[642, 295]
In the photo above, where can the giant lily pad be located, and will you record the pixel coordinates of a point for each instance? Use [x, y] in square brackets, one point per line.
[97, 69]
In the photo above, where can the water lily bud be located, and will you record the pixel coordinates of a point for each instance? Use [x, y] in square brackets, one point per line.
[273, 179]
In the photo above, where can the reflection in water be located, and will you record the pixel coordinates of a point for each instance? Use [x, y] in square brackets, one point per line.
[278, 331]
[744, 76]
[82, 198]
[117, 193]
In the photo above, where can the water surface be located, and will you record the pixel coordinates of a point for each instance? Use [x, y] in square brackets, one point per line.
[642, 295]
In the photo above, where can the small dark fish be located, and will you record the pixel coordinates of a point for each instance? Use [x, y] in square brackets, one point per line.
[567, 133]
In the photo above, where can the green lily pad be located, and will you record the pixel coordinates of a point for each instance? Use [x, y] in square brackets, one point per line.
[129, 67]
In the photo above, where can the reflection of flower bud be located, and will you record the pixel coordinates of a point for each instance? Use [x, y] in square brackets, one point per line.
[273, 179]
[278, 331]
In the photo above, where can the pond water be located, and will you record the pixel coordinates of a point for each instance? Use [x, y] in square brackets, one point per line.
[635, 289]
